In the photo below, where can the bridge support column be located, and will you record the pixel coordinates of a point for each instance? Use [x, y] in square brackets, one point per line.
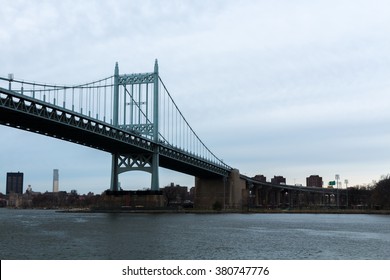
[155, 186]
[156, 157]
[121, 161]
[257, 196]
[135, 162]
[225, 193]
[114, 163]
[114, 173]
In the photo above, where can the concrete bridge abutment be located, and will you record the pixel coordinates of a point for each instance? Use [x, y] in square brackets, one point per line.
[223, 193]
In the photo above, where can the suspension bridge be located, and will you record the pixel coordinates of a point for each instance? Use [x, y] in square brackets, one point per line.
[131, 116]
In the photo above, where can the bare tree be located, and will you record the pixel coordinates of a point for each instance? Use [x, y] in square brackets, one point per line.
[381, 193]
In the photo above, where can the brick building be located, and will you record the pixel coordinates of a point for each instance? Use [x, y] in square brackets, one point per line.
[314, 181]
[278, 180]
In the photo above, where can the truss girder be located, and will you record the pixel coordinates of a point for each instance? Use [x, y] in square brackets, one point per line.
[141, 78]
[181, 156]
[143, 129]
[142, 162]
[69, 118]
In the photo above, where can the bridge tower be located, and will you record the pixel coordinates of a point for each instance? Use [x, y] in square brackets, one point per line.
[136, 109]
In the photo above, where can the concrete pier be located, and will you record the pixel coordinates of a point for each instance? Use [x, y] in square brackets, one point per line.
[221, 193]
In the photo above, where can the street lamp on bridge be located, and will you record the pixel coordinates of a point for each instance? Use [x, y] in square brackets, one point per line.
[10, 79]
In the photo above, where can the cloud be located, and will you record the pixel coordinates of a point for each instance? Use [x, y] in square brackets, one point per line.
[288, 87]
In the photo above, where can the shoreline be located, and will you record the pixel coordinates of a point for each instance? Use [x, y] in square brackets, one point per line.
[250, 211]
[209, 211]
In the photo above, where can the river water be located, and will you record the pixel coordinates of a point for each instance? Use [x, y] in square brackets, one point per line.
[46, 234]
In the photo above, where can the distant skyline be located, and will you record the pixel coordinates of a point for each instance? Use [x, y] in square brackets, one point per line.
[290, 88]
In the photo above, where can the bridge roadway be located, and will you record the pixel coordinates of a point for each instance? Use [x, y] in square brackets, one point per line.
[23, 112]
[267, 195]
[252, 182]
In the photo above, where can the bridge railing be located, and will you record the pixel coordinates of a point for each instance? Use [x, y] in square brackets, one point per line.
[90, 99]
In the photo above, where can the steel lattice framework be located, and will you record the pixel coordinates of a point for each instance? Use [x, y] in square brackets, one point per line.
[132, 116]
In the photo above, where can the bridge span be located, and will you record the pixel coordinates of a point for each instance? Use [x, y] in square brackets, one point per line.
[131, 116]
[135, 119]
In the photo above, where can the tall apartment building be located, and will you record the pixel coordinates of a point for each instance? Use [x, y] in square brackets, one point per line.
[14, 183]
[314, 181]
[55, 180]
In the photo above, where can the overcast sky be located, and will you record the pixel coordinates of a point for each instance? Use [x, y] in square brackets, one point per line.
[289, 88]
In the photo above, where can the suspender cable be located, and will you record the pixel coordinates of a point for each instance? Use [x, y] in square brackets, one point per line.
[105, 100]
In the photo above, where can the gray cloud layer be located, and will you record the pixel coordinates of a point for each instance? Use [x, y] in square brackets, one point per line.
[289, 88]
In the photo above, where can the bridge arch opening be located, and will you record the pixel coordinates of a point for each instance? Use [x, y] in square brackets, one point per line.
[134, 180]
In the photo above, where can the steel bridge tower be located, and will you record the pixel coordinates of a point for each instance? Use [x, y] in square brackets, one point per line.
[136, 91]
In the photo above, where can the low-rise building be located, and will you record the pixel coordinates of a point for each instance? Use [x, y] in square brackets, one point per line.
[278, 180]
[314, 181]
[260, 178]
